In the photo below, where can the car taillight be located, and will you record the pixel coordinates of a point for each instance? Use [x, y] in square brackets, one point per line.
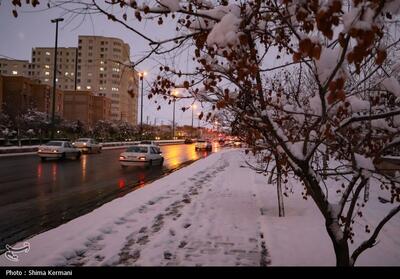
[122, 157]
[142, 158]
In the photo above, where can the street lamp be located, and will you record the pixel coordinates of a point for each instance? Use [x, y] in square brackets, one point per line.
[141, 76]
[193, 108]
[174, 95]
[56, 21]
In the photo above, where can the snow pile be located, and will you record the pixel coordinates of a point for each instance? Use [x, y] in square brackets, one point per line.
[357, 104]
[364, 162]
[327, 63]
[225, 32]
[392, 85]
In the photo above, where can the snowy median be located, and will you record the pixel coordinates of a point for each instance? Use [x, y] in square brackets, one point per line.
[214, 212]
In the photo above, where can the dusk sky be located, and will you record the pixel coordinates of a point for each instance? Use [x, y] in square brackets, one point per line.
[32, 28]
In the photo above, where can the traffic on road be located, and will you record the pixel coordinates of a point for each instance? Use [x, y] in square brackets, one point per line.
[38, 195]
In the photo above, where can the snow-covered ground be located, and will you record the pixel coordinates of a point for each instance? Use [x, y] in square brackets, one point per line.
[214, 212]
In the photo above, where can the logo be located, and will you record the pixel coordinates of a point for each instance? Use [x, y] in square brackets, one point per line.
[12, 251]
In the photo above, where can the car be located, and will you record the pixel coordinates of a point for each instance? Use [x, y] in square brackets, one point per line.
[141, 155]
[203, 144]
[58, 149]
[151, 142]
[237, 143]
[87, 145]
[188, 141]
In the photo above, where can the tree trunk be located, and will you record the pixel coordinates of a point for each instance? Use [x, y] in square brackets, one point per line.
[340, 247]
[279, 189]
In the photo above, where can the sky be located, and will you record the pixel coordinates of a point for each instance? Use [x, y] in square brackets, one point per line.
[32, 28]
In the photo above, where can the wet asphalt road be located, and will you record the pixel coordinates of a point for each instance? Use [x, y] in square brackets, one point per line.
[36, 196]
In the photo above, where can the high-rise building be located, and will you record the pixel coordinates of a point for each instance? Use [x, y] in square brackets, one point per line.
[103, 68]
[43, 66]
[10, 67]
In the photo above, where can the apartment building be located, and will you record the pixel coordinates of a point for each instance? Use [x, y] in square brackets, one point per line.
[10, 67]
[79, 105]
[102, 108]
[102, 69]
[43, 96]
[42, 66]
[21, 93]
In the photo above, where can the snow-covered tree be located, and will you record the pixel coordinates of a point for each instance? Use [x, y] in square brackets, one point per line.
[37, 121]
[326, 117]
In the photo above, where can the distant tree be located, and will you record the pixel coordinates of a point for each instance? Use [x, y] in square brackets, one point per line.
[37, 121]
[76, 128]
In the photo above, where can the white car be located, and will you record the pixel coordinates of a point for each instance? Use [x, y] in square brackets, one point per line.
[59, 150]
[203, 145]
[151, 142]
[88, 145]
[141, 155]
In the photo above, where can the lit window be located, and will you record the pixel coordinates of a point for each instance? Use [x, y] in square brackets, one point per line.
[88, 87]
[101, 69]
[78, 87]
[101, 62]
[114, 89]
[47, 73]
[47, 66]
[66, 73]
[46, 80]
[47, 53]
[14, 72]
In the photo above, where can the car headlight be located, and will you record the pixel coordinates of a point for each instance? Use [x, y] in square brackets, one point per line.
[55, 150]
[142, 158]
[122, 157]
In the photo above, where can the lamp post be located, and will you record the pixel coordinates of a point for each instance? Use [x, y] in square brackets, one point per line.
[56, 21]
[193, 108]
[141, 76]
[174, 94]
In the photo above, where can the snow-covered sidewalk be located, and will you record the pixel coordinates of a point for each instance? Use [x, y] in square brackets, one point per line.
[214, 212]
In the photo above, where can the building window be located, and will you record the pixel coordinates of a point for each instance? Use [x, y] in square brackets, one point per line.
[46, 73]
[14, 72]
[46, 66]
[88, 87]
[78, 87]
[47, 53]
